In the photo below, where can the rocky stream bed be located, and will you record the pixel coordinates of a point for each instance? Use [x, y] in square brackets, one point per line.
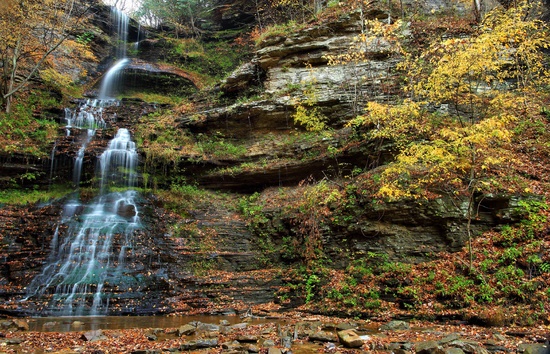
[274, 333]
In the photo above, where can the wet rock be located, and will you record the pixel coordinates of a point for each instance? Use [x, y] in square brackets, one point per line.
[232, 346]
[268, 343]
[21, 325]
[14, 341]
[92, 336]
[241, 78]
[238, 326]
[199, 344]
[286, 342]
[162, 78]
[273, 350]
[186, 330]
[76, 324]
[429, 347]
[49, 324]
[350, 339]
[323, 336]
[15, 325]
[247, 338]
[329, 347]
[494, 346]
[346, 325]
[454, 351]
[126, 210]
[400, 351]
[534, 348]
[172, 331]
[450, 338]
[469, 347]
[400, 347]
[208, 327]
[253, 348]
[395, 326]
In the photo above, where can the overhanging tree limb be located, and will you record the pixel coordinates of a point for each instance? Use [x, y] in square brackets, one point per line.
[33, 71]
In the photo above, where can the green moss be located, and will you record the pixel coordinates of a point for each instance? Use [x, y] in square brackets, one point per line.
[210, 60]
[33, 196]
[21, 131]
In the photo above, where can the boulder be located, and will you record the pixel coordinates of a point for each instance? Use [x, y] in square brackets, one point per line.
[186, 330]
[15, 325]
[199, 344]
[14, 341]
[469, 346]
[208, 327]
[429, 347]
[454, 351]
[350, 339]
[323, 336]
[268, 343]
[20, 325]
[248, 338]
[92, 336]
[450, 338]
[253, 348]
[395, 326]
[534, 348]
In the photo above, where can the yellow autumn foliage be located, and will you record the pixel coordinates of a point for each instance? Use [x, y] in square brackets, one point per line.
[483, 80]
[31, 30]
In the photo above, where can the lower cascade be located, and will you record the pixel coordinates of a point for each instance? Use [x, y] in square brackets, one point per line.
[92, 240]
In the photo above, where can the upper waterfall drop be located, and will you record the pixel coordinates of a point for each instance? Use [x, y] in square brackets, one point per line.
[111, 80]
[122, 22]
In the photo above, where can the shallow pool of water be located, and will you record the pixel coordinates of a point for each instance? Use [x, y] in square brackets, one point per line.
[69, 324]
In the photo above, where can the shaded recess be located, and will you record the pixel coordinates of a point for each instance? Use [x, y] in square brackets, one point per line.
[143, 76]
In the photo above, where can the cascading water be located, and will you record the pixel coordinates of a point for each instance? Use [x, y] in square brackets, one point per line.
[92, 240]
[122, 21]
[84, 261]
[112, 79]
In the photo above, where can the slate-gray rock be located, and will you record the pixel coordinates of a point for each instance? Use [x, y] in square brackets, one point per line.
[199, 344]
[395, 326]
[534, 348]
[429, 347]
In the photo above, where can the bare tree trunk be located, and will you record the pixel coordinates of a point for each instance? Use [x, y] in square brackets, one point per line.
[258, 15]
[478, 10]
[34, 69]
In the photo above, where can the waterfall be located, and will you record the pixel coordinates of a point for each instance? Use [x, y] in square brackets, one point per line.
[93, 239]
[91, 254]
[136, 43]
[118, 163]
[111, 79]
[88, 117]
[121, 20]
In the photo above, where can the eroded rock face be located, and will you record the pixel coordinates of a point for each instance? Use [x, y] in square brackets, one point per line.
[145, 76]
[295, 68]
